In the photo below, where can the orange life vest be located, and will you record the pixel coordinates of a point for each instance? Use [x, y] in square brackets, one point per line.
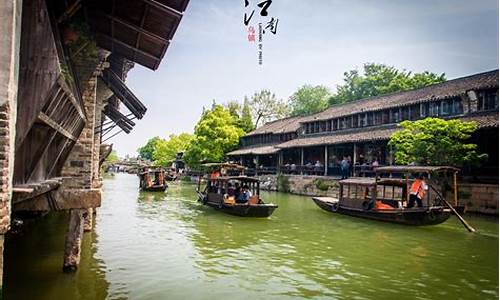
[417, 188]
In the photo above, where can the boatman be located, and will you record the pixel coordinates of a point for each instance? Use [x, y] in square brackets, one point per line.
[417, 191]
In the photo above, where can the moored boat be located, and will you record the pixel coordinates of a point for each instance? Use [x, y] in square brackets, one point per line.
[386, 197]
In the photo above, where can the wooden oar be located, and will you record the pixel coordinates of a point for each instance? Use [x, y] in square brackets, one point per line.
[466, 225]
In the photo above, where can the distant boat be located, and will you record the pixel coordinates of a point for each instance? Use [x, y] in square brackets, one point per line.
[384, 199]
[153, 180]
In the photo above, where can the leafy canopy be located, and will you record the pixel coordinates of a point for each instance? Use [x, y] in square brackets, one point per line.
[112, 157]
[309, 99]
[241, 114]
[434, 141]
[166, 150]
[215, 134]
[146, 151]
[379, 79]
[265, 107]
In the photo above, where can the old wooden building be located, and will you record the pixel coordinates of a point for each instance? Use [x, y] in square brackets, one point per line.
[316, 144]
[63, 64]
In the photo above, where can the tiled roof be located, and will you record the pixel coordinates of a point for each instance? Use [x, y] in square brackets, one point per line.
[262, 150]
[383, 132]
[286, 125]
[345, 136]
[451, 88]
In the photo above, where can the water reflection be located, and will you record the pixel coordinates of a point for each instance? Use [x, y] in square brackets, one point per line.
[33, 264]
[167, 245]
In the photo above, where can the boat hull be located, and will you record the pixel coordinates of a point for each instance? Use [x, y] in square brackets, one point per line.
[262, 210]
[155, 188]
[415, 217]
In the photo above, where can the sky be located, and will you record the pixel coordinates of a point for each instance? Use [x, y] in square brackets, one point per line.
[316, 41]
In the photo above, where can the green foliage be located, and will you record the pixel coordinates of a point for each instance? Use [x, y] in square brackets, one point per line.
[146, 151]
[309, 99]
[241, 114]
[215, 134]
[186, 179]
[165, 151]
[324, 185]
[112, 157]
[283, 183]
[265, 107]
[379, 79]
[435, 141]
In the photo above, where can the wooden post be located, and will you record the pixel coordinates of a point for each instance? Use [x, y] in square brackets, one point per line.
[256, 164]
[280, 161]
[73, 240]
[407, 189]
[326, 160]
[355, 155]
[301, 161]
[455, 189]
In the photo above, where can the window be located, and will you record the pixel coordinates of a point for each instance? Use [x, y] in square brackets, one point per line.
[385, 117]
[396, 116]
[364, 120]
[355, 121]
[405, 114]
[370, 119]
[323, 126]
[457, 107]
[424, 110]
[415, 112]
[378, 118]
[488, 100]
[328, 125]
[434, 109]
[445, 107]
[316, 127]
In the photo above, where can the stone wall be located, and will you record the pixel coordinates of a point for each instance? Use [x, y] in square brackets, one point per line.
[478, 198]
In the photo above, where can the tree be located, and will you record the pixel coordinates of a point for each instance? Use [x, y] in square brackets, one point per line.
[434, 141]
[215, 134]
[146, 151]
[245, 122]
[266, 107]
[112, 157]
[379, 79]
[309, 99]
[166, 150]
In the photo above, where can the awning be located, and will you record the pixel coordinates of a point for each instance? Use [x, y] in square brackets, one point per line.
[264, 150]
[353, 136]
[122, 92]
[118, 118]
[139, 30]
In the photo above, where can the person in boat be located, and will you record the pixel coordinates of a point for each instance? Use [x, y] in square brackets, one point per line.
[230, 190]
[417, 191]
[244, 196]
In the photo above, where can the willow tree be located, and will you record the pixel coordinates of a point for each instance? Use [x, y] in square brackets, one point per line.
[434, 141]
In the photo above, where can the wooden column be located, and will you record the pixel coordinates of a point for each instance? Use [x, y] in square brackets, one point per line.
[326, 160]
[355, 155]
[301, 160]
[256, 164]
[73, 240]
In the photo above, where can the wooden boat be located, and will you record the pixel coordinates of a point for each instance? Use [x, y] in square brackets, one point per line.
[153, 180]
[385, 197]
[218, 194]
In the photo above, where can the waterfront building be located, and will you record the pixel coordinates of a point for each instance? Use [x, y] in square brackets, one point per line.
[315, 144]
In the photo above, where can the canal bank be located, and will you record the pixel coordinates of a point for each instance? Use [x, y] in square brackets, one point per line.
[154, 246]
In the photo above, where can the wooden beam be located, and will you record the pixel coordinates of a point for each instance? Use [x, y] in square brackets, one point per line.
[129, 47]
[167, 9]
[47, 120]
[71, 98]
[131, 26]
[60, 199]
[28, 191]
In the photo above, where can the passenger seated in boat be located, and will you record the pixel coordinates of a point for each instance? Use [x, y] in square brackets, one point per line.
[230, 190]
[380, 205]
[244, 195]
[417, 191]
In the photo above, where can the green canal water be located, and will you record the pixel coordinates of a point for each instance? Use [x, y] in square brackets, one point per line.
[167, 246]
